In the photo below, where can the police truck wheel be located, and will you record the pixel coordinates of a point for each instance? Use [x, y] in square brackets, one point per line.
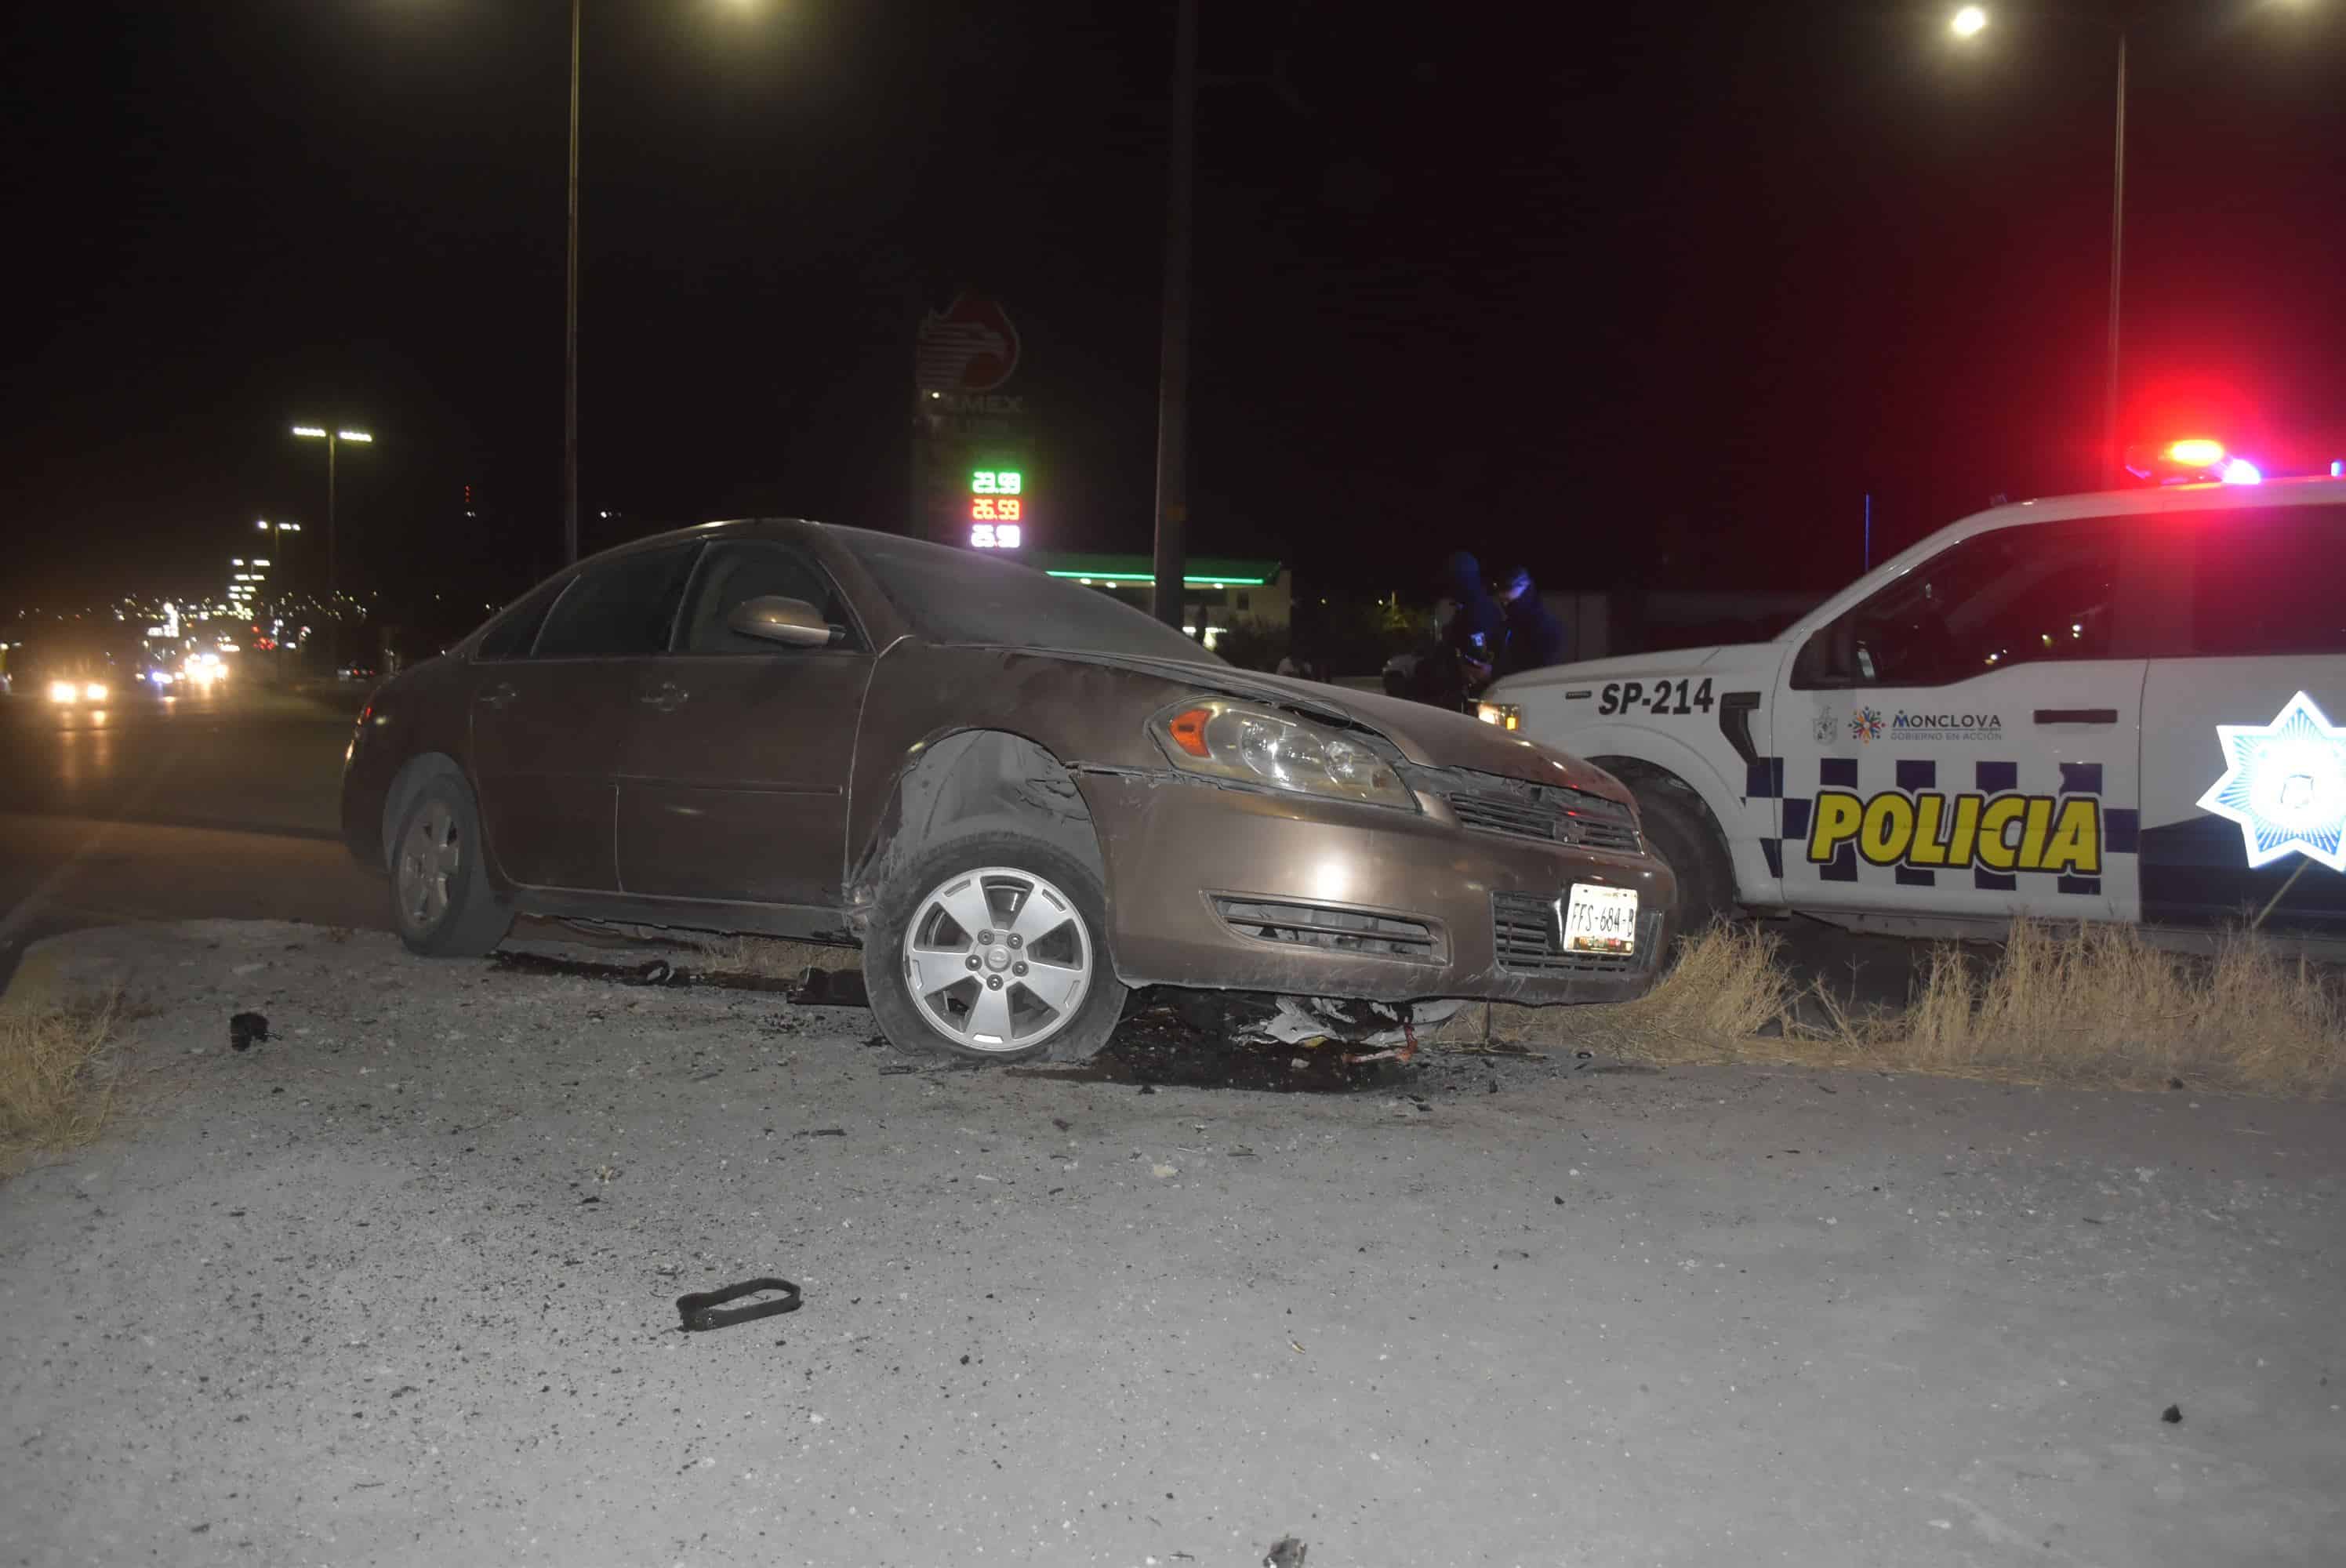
[1680, 829]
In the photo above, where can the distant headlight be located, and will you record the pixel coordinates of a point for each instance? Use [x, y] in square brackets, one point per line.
[64, 691]
[1261, 746]
[94, 691]
[1505, 715]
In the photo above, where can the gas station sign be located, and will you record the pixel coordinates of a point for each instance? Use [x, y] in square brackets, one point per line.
[997, 509]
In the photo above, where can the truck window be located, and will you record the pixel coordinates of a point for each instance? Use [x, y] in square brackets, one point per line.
[2247, 582]
[2016, 595]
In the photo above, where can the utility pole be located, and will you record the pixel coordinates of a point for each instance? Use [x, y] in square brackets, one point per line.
[570, 328]
[1173, 351]
[2113, 457]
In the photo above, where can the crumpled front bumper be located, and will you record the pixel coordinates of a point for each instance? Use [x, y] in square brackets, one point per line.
[1182, 854]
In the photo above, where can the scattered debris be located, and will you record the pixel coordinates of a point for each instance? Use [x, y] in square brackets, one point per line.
[245, 1028]
[1157, 1047]
[701, 1312]
[1162, 1172]
[1403, 1054]
[832, 988]
[820, 1133]
[897, 1069]
[2172, 1415]
[659, 972]
[1285, 1553]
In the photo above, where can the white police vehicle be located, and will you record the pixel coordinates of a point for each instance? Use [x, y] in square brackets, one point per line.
[2116, 707]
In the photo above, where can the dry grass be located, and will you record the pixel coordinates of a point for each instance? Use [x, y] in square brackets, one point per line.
[772, 958]
[2100, 1005]
[1728, 983]
[56, 1088]
[2091, 1006]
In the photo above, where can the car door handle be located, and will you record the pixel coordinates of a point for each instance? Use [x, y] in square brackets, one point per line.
[497, 695]
[668, 697]
[2077, 716]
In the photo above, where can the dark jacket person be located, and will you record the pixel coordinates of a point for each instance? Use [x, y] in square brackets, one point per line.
[1533, 638]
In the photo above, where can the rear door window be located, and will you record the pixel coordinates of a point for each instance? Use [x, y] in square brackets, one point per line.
[511, 634]
[621, 608]
[2252, 581]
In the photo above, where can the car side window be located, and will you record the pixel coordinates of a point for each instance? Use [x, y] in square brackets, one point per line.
[620, 608]
[2243, 583]
[734, 572]
[512, 634]
[2016, 595]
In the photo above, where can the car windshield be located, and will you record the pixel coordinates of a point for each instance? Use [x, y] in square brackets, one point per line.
[954, 596]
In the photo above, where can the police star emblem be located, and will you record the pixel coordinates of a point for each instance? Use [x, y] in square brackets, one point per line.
[2285, 784]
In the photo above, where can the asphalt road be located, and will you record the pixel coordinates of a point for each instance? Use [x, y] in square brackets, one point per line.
[221, 804]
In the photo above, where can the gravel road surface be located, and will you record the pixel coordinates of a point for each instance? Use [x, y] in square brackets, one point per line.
[396, 1286]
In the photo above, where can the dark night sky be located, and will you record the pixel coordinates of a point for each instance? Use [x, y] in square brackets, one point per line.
[1652, 296]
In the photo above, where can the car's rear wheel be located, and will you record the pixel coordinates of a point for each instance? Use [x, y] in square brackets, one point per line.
[441, 901]
[994, 946]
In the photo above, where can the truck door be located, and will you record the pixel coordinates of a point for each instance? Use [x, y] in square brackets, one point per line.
[1965, 741]
[2244, 758]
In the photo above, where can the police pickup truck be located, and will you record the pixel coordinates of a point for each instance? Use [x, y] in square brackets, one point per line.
[2112, 707]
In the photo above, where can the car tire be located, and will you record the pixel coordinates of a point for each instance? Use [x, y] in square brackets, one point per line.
[1681, 830]
[442, 904]
[916, 954]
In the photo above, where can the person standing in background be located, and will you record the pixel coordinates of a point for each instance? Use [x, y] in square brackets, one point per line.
[1471, 638]
[1532, 638]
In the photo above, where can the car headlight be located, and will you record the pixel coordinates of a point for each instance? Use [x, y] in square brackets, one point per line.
[1505, 715]
[64, 691]
[1261, 746]
[93, 691]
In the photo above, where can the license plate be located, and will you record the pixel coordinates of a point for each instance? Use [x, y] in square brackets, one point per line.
[1599, 920]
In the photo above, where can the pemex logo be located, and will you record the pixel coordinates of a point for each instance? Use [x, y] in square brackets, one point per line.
[969, 347]
[1865, 725]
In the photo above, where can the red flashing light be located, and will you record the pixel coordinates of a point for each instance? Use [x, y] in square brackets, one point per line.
[2195, 452]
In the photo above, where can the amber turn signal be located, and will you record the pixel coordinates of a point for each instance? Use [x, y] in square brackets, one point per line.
[1189, 730]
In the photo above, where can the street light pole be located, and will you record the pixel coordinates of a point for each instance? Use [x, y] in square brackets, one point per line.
[1173, 351]
[333, 439]
[570, 327]
[2112, 455]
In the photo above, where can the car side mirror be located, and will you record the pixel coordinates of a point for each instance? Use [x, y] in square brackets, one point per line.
[793, 623]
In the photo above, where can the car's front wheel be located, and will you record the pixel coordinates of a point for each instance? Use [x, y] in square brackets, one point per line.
[442, 902]
[994, 946]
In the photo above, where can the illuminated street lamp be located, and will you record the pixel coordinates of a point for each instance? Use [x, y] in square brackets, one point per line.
[1967, 24]
[333, 439]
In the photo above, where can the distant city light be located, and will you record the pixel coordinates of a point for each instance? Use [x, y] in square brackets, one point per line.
[1968, 22]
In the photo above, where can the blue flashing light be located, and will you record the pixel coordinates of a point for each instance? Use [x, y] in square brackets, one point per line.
[2240, 471]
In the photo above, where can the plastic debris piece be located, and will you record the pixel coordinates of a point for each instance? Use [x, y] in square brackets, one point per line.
[244, 1028]
[706, 1310]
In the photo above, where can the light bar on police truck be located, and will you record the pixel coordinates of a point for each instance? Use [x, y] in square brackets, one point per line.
[2193, 459]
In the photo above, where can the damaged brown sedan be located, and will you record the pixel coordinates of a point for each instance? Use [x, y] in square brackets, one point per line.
[1018, 797]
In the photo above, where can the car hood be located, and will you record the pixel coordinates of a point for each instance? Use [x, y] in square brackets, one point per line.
[1425, 734]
